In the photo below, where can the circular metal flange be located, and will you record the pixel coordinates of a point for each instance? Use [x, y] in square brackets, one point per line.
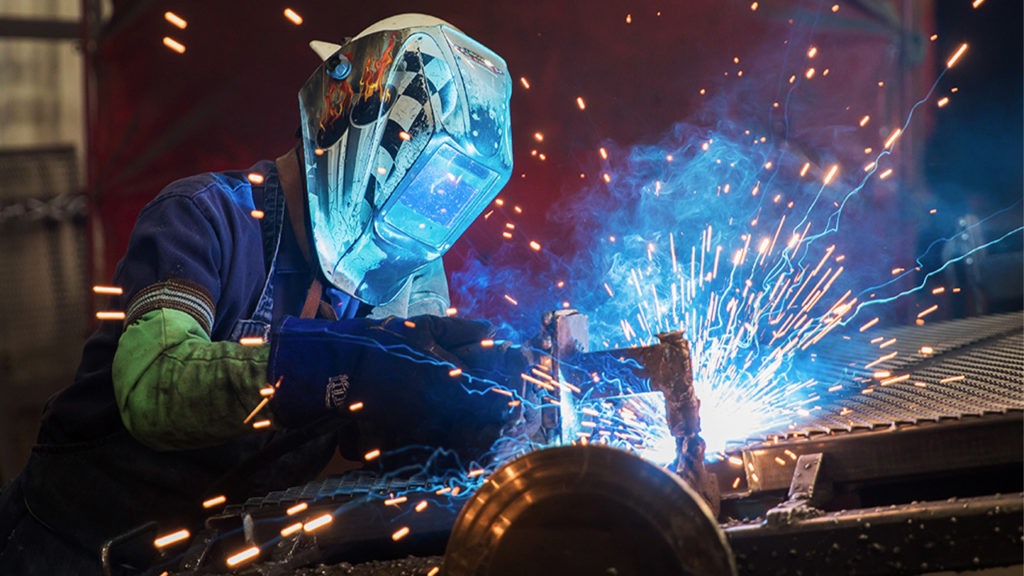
[586, 510]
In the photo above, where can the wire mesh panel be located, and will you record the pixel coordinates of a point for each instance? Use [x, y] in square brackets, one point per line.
[44, 296]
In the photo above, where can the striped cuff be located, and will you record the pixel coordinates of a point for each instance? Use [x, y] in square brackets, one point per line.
[177, 294]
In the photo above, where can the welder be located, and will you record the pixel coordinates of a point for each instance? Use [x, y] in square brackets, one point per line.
[313, 282]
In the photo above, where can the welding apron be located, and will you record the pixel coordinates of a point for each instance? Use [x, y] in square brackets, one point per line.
[84, 494]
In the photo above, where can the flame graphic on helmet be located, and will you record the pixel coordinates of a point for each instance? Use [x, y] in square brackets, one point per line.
[374, 70]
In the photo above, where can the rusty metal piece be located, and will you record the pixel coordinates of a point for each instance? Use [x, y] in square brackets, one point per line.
[668, 367]
[804, 492]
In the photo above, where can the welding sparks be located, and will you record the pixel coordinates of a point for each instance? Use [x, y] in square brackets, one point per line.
[255, 178]
[216, 501]
[927, 311]
[956, 55]
[257, 214]
[371, 455]
[174, 45]
[114, 290]
[300, 507]
[942, 102]
[355, 407]
[171, 538]
[421, 506]
[175, 20]
[293, 16]
[247, 554]
[952, 379]
[400, 533]
[579, 102]
[107, 315]
[292, 529]
[831, 174]
[317, 523]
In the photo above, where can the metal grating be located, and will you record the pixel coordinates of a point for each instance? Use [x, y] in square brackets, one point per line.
[975, 367]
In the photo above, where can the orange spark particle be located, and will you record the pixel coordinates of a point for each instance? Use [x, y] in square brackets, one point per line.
[261, 424]
[171, 538]
[355, 407]
[452, 311]
[538, 136]
[831, 173]
[956, 56]
[927, 311]
[215, 501]
[318, 522]
[812, 52]
[289, 530]
[400, 533]
[629, 18]
[404, 135]
[864, 120]
[176, 20]
[257, 214]
[753, 8]
[300, 507]
[581, 103]
[455, 372]
[487, 343]
[534, 245]
[607, 177]
[421, 506]
[809, 74]
[371, 454]
[942, 101]
[511, 300]
[603, 153]
[885, 174]
[293, 16]
[174, 45]
[892, 138]
[806, 167]
[524, 82]
[110, 315]
[107, 290]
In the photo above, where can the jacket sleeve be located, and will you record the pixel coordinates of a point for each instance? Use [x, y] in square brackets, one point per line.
[174, 387]
[177, 390]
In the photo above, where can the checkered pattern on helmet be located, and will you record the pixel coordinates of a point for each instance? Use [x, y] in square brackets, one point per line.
[415, 86]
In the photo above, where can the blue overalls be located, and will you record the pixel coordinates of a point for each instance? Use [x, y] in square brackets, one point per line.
[88, 479]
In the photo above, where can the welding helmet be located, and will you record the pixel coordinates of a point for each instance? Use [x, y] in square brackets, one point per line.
[406, 140]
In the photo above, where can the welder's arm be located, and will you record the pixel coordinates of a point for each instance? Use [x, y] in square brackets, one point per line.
[176, 389]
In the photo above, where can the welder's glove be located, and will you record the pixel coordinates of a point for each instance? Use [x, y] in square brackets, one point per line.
[414, 381]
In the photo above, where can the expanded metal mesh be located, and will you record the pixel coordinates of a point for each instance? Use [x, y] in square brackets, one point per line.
[948, 370]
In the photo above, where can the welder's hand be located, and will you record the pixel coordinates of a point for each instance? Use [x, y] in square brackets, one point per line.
[410, 381]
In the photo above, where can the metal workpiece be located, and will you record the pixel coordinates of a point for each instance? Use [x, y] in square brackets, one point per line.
[915, 538]
[586, 510]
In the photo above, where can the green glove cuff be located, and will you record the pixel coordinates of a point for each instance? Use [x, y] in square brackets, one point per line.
[177, 390]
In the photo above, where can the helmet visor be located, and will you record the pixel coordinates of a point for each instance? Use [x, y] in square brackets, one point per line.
[440, 197]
